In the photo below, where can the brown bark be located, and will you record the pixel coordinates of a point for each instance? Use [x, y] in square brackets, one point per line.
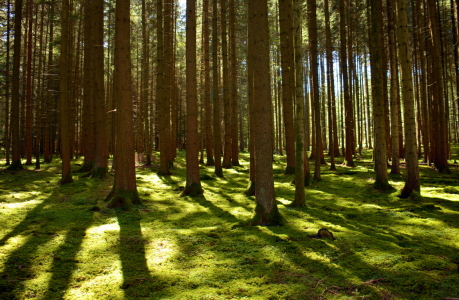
[377, 70]
[226, 91]
[233, 87]
[286, 40]
[193, 182]
[266, 211]
[215, 95]
[348, 159]
[208, 115]
[6, 137]
[15, 133]
[64, 97]
[412, 169]
[124, 192]
[101, 142]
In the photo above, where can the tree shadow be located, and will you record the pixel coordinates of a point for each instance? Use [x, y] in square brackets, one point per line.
[138, 281]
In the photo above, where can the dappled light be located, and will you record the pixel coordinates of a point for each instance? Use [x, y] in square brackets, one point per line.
[62, 242]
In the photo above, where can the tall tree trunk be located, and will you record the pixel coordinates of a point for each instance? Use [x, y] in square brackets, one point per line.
[6, 137]
[215, 90]
[250, 191]
[312, 26]
[145, 84]
[163, 105]
[300, 197]
[404, 48]
[193, 182]
[332, 127]
[124, 192]
[394, 88]
[101, 142]
[286, 39]
[440, 131]
[64, 97]
[226, 91]
[88, 93]
[266, 211]
[233, 86]
[28, 95]
[377, 70]
[348, 159]
[208, 115]
[15, 99]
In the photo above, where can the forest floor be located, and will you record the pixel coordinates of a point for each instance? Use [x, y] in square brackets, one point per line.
[60, 242]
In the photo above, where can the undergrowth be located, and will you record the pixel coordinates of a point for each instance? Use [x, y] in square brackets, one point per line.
[61, 242]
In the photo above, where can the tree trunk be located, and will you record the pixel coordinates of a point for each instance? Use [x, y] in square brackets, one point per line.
[215, 90]
[412, 167]
[348, 159]
[377, 69]
[101, 142]
[6, 137]
[15, 99]
[124, 192]
[160, 95]
[266, 211]
[300, 197]
[193, 183]
[233, 87]
[394, 88]
[286, 40]
[64, 96]
[332, 134]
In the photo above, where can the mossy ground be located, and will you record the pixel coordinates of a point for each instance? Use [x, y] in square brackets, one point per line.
[60, 242]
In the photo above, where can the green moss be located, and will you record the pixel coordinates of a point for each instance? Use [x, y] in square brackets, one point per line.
[63, 242]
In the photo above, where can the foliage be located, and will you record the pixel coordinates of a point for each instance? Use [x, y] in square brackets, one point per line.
[62, 242]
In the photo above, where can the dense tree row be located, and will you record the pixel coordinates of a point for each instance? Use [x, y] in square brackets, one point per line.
[305, 78]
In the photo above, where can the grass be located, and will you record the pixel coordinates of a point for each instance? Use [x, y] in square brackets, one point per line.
[60, 242]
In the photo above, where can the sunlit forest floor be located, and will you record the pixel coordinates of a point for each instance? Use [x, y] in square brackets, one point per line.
[60, 242]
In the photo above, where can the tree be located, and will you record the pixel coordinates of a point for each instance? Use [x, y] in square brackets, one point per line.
[348, 159]
[312, 26]
[15, 146]
[300, 197]
[193, 183]
[381, 182]
[215, 96]
[412, 165]
[101, 142]
[7, 87]
[233, 86]
[64, 96]
[208, 114]
[266, 211]
[394, 88]
[124, 192]
[145, 84]
[160, 95]
[226, 91]
[286, 40]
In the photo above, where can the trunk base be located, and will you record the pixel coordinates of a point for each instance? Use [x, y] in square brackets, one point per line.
[85, 168]
[250, 191]
[262, 218]
[99, 173]
[66, 179]
[16, 165]
[194, 190]
[123, 199]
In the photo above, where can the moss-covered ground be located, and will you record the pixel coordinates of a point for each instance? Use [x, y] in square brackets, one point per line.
[60, 242]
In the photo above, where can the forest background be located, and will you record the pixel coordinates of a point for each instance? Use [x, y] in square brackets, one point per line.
[130, 84]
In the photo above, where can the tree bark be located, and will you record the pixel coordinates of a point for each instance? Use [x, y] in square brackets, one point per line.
[124, 192]
[412, 167]
[15, 99]
[64, 96]
[266, 211]
[193, 182]
[377, 69]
